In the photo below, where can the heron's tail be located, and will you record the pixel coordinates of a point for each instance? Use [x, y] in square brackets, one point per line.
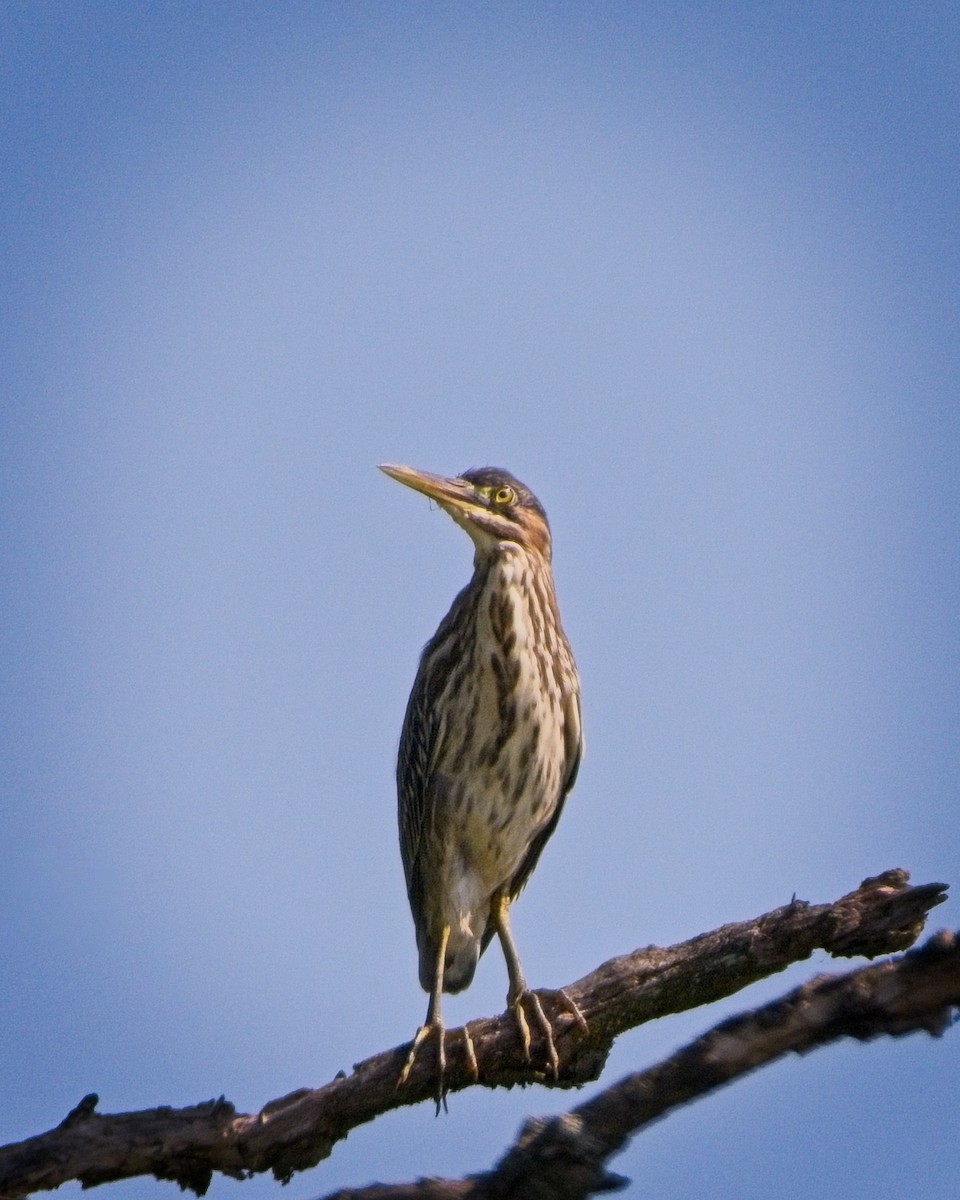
[463, 953]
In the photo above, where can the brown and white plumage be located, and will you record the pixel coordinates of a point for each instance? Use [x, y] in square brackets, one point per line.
[491, 739]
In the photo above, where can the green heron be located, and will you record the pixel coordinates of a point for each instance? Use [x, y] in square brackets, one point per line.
[490, 747]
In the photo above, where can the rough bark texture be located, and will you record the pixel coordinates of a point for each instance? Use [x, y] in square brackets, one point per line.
[297, 1131]
[564, 1157]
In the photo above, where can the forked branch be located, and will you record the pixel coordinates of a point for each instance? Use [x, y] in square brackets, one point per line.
[564, 1157]
[297, 1131]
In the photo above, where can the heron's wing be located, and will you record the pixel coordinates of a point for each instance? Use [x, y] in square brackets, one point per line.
[573, 745]
[416, 784]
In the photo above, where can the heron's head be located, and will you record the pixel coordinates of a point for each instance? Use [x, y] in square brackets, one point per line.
[492, 505]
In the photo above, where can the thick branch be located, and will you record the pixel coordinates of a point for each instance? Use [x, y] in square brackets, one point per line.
[564, 1157]
[918, 992]
[297, 1131]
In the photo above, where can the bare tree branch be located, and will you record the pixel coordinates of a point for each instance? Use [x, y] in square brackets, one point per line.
[564, 1157]
[297, 1131]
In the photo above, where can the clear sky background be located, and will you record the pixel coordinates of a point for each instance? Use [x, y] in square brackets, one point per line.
[691, 271]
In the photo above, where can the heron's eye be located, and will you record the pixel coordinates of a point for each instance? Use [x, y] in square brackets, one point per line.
[504, 495]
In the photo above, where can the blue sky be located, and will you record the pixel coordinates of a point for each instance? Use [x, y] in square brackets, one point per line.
[690, 271]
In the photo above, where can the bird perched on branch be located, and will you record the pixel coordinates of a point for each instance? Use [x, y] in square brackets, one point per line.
[490, 748]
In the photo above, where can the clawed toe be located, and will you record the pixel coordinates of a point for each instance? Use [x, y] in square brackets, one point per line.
[543, 1025]
[423, 1033]
[471, 1055]
[531, 1000]
[573, 1009]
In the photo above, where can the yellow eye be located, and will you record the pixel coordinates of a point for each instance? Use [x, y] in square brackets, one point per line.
[504, 495]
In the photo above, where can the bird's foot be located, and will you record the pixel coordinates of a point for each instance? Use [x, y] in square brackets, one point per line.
[424, 1032]
[543, 1023]
[532, 1000]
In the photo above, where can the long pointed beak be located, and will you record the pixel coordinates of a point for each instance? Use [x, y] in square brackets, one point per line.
[455, 493]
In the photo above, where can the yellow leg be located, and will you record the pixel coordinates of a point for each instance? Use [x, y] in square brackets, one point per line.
[518, 992]
[433, 1024]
